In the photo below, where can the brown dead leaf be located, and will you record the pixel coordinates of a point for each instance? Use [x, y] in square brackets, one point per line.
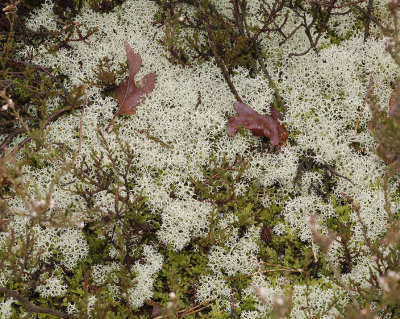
[258, 124]
[128, 94]
[157, 309]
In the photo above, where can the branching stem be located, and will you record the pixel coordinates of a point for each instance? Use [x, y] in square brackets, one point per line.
[30, 308]
[214, 49]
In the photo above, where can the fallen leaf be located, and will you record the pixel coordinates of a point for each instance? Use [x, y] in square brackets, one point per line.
[157, 309]
[128, 94]
[258, 124]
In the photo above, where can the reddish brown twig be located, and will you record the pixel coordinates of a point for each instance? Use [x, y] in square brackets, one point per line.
[81, 123]
[191, 310]
[30, 308]
[215, 52]
[371, 80]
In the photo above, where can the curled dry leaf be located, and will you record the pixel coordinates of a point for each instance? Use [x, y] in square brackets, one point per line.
[157, 308]
[128, 94]
[258, 124]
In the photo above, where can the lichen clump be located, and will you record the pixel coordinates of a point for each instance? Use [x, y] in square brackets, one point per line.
[163, 201]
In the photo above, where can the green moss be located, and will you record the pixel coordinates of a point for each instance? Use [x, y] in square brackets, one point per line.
[33, 88]
[217, 313]
[240, 282]
[106, 74]
[96, 247]
[181, 272]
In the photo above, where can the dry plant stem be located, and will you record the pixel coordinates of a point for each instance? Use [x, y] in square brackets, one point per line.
[367, 22]
[275, 265]
[10, 33]
[327, 8]
[191, 310]
[32, 308]
[228, 168]
[356, 209]
[20, 145]
[337, 275]
[326, 4]
[238, 16]
[233, 304]
[371, 81]
[215, 52]
[27, 129]
[10, 137]
[198, 100]
[307, 293]
[271, 270]
[40, 68]
[195, 311]
[81, 38]
[81, 124]
[9, 249]
[314, 251]
[34, 118]
[283, 268]
[155, 139]
[307, 28]
[271, 83]
[27, 247]
[371, 18]
[341, 283]
[108, 129]
[319, 315]
[386, 195]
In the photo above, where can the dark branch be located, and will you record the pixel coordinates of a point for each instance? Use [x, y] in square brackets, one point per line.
[30, 308]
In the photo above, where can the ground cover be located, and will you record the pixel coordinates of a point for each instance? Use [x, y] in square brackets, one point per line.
[116, 204]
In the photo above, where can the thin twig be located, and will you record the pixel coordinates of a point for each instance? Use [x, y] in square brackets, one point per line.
[372, 18]
[367, 22]
[195, 311]
[371, 80]
[20, 145]
[191, 310]
[81, 124]
[10, 137]
[18, 131]
[283, 268]
[40, 68]
[271, 83]
[214, 49]
[30, 308]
